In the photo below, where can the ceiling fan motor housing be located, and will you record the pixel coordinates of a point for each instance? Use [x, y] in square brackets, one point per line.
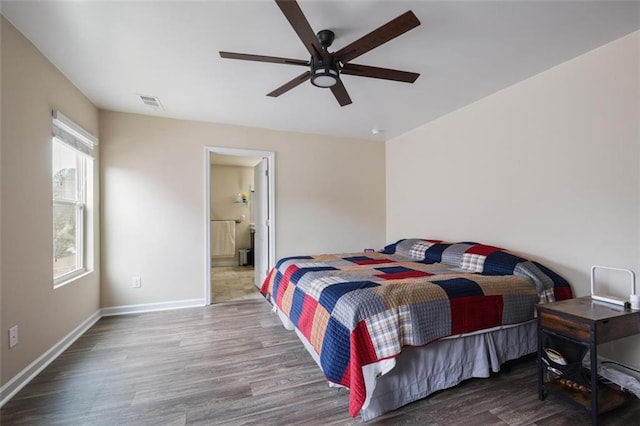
[325, 37]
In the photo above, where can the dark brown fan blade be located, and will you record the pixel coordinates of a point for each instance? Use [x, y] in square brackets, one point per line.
[290, 84]
[261, 58]
[341, 94]
[375, 38]
[298, 21]
[383, 73]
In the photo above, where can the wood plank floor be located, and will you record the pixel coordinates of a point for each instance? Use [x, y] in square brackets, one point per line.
[234, 364]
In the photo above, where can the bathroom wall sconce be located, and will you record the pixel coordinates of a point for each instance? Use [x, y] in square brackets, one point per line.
[242, 198]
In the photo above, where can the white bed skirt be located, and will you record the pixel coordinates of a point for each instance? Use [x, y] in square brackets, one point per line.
[419, 371]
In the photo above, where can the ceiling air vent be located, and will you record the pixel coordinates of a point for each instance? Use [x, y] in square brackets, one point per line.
[151, 101]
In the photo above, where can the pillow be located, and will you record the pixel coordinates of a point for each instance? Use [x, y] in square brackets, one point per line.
[486, 260]
[413, 248]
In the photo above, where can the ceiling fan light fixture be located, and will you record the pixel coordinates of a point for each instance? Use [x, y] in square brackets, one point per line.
[324, 75]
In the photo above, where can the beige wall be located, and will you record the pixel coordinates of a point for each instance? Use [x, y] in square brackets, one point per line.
[547, 167]
[329, 193]
[226, 183]
[31, 89]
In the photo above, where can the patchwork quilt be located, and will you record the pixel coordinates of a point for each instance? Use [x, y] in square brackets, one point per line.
[356, 309]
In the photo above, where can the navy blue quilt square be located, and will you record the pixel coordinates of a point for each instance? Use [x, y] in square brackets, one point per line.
[335, 353]
[434, 253]
[284, 259]
[460, 287]
[393, 269]
[276, 283]
[558, 281]
[391, 248]
[330, 295]
[501, 263]
[296, 306]
[356, 258]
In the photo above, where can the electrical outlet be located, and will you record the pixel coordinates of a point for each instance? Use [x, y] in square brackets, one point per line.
[13, 336]
[136, 282]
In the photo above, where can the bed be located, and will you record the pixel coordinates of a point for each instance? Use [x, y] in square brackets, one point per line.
[419, 316]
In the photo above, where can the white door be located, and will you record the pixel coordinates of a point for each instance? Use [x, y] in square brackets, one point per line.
[261, 220]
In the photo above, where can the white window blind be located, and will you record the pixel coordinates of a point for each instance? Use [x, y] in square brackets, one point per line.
[73, 135]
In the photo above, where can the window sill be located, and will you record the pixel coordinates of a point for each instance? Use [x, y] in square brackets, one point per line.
[81, 274]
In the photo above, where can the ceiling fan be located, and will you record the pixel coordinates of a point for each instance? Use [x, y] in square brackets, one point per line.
[326, 67]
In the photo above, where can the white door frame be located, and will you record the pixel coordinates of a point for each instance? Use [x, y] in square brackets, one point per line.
[270, 156]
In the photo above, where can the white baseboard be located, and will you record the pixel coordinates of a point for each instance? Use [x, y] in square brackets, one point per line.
[151, 307]
[21, 379]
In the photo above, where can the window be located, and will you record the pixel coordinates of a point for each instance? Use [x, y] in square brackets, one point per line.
[72, 177]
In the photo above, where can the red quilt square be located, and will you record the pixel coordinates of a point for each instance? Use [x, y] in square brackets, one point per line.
[367, 260]
[284, 283]
[475, 313]
[372, 261]
[402, 275]
[482, 249]
[305, 322]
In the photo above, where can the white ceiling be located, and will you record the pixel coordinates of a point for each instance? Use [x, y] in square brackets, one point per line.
[114, 51]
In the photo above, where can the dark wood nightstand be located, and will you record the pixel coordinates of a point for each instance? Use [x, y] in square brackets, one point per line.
[577, 325]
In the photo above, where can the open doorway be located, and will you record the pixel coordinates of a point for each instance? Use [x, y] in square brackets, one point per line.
[240, 246]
